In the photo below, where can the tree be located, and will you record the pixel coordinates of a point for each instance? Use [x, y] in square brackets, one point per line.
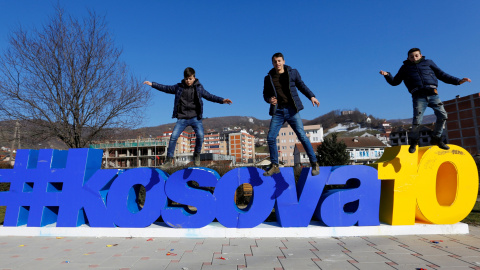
[332, 152]
[66, 79]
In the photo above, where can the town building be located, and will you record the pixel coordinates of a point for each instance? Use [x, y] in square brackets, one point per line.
[362, 150]
[212, 143]
[463, 124]
[400, 135]
[132, 153]
[242, 146]
[287, 139]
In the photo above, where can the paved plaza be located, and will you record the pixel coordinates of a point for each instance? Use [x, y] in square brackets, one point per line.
[373, 252]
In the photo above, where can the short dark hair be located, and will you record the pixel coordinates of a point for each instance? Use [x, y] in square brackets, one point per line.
[188, 72]
[414, 50]
[278, 54]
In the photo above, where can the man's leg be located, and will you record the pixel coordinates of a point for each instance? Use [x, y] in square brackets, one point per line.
[296, 123]
[275, 125]
[436, 104]
[197, 126]
[177, 130]
[419, 106]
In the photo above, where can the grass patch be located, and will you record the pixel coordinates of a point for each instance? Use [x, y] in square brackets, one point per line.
[262, 149]
[474, 217]
[2, 214]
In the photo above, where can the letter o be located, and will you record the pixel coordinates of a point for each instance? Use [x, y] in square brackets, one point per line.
[447, 185]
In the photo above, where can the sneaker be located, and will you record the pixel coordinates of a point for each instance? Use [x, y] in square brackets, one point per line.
[273, 170]
[439, 142]
[315, 170]
[413, 146]
[168, 164]
[196, 159]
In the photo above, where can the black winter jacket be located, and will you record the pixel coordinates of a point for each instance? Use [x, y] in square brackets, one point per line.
[177, 89]
[295, 82]
[422, 75]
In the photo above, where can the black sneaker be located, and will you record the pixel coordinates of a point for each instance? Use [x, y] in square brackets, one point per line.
[273, 170]
[413, 146]
[168, 164]
[196, 159]
[315, 170]
[439, 142]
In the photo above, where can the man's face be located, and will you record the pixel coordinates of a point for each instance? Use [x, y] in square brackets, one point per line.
[414, 56]
[278, 63]
[190, 80]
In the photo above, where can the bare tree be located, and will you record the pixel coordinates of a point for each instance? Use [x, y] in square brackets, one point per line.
[68, 81]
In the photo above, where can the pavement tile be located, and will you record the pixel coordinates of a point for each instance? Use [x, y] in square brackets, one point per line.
[463, 251]
[243, 241]
[202, 256]
[262, 261]
[367, 257]
[393, 249]
[298, 243]
[219, 267]
[381, 240]
[405, 259]
[184, 266]
[331, 255]
[230, 259]
[331, 244]
[270, 242]
[266, 251]
[244, 249]
[120, 262]
[413, 266]
[360, 247]
[147, 264]
[335, 265]
[446, 261]
[376, 266]
[298, 253]
[295, 264]
[428, 251]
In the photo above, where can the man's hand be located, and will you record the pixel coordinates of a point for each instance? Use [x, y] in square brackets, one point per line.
[465, 80]
[384, 73]
[315, 101]
[227, 101]
[273, 100]
[147, 83]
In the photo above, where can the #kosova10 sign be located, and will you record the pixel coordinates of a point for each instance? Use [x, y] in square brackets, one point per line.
[69, 188]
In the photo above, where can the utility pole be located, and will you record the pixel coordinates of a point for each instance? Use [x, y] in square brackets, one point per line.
[16, 139]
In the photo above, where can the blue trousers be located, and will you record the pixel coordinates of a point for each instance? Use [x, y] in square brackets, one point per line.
[420, 104]
[180, 126]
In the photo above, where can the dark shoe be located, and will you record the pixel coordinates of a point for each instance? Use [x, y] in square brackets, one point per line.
[315, 170]
[413, 146]
[196, 159]
[168, 164]
[273, 170]
[439, 142]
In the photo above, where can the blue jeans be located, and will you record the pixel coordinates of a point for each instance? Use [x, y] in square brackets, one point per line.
[180, 126]
[292, 117]
[420, 104]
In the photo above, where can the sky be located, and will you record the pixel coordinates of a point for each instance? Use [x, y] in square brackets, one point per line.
[338, 47]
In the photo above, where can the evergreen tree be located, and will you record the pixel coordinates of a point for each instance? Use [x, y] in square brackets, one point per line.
[332, 152]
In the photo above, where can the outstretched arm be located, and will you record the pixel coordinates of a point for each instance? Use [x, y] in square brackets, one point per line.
[227, 101]
[443, 76]
[394, 81]
[170, 89]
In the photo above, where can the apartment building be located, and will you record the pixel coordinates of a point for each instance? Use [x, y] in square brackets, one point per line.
[287, 139]
[242, 146]
[185, 142]
[213, 143]
[463, 124]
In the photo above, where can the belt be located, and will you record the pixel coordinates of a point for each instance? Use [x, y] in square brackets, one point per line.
[426, 86]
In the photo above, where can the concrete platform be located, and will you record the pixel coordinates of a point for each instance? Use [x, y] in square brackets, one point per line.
[216, 230]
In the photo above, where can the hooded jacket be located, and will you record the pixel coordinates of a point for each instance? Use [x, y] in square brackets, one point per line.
[420, 75]
[177, 90]
[295, 81]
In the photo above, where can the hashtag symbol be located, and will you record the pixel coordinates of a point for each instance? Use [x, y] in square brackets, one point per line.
[39, 181]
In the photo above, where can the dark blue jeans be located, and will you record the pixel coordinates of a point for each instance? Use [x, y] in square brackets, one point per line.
[292, 117]
[420, 104]
[180, 126]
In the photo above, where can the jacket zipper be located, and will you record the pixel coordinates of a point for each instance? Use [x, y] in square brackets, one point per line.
[289, 90]
[275, 92]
